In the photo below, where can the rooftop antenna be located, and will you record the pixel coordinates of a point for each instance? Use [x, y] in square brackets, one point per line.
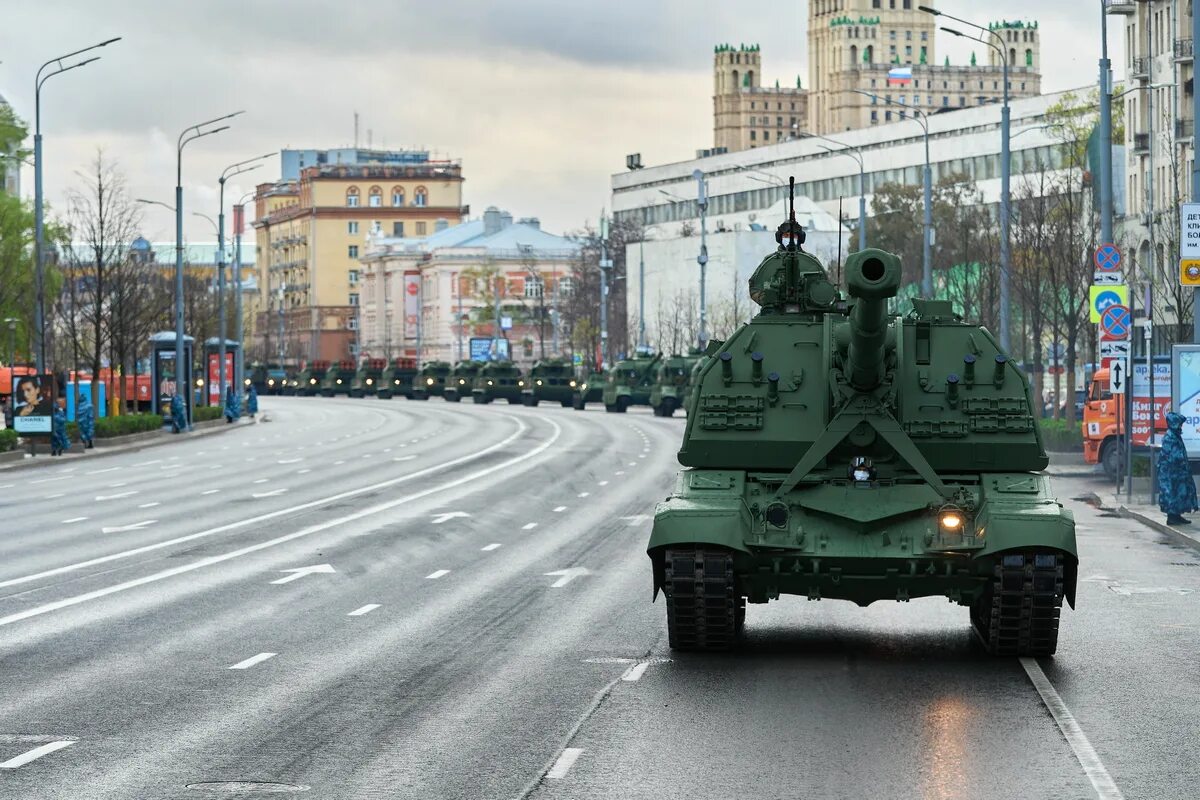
[355, 130]
[791, 198]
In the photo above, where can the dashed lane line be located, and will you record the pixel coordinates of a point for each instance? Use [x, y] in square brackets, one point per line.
[433, 576]
[252, 660]
[1102, 782]
[564, 763]
[528, 526]
[73, 519]
[367, 609]
[584, 494]
[150, 505]
[34, 754]
[487, 548]
[559, 509]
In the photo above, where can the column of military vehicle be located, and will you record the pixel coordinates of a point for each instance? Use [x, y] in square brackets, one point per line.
[397, 379]
[498, 380]
[338, 379]
[629, 382]
[461, 380]
[836, 451]
[672, 383]
[367, 378]
[551, 379]
[308, 381]
[430, 380]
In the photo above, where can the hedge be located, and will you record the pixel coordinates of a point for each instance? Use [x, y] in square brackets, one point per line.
[8, 440]
[108, 427]
[1059, 436]
[206, 413]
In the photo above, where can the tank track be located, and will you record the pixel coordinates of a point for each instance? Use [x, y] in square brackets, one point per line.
[1018, 614]
[705, 610]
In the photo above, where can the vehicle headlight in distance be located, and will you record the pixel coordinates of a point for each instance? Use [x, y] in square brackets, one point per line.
[584, 386]
[339, 381]
[572, 384]
[271, 382]
[951, 520]
[489, 383]
[397, 383]
[199, 382]
[312, 380]
[522, 383]
[370, 381]
[539, 383]
[429, 381]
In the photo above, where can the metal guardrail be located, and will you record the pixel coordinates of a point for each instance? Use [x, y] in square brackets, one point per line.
[1140, 68]
[1120, 6]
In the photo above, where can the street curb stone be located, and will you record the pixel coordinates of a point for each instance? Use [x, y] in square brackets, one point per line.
[1177, 535]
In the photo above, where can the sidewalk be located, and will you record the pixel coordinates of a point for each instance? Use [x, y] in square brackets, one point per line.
[121, 444]
[1141, 509]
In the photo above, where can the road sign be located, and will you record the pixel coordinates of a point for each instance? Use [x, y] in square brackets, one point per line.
[1101, 297]
[1189, 233]
[1107, 258]
[1189, 272]
[1115, 349]
[1118, 375]
[506, 323]
[1116, 322]
[1107, 279]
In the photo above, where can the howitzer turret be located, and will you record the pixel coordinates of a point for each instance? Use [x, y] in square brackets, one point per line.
[872, 276]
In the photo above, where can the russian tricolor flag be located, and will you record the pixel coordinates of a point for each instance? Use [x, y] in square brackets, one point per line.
[899, 75]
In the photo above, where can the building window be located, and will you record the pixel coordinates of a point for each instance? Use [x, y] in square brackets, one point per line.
[907, 34]
[874, 116]
[421, 196]
[945, 101]
[753, 136]
[397, 229]
[352, 197]
[962, 101]
[534, 287]
[892, 35]
[887, 116]
[353, 277]
[352, 251]
[779, 124]
[351, 227]
[354, 298]
[420, 229]
[924, 36]
[375, 197]
[397, 196]
[352, 324]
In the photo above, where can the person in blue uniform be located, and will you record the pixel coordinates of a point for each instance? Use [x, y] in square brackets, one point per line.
[233, 404]
[85, 420]
[59, 443]
[1176, 487]
[178, 414]
[252, 401]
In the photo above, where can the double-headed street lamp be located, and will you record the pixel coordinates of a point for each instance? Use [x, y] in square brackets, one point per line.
[188, 135]
[1005, 167]
[228, 172]
[857, 155]
[922, 119]
[57, 68]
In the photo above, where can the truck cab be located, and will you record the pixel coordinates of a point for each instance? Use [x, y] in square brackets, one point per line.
[1105, 421]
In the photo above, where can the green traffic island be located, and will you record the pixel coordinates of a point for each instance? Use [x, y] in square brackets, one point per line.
[589, 389]
[461, 381]
[396, 380]
[430, 380]
[551, 380]
[498, 380]
[629, 382]
[338, 379]
[834, 450]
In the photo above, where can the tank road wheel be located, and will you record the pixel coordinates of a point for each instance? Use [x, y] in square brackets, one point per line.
[705, 610]
[612, 409]
[1018, 613]
[1112, 456]
[577, 403]
[622, 404]
[566, 403]
[668, 407]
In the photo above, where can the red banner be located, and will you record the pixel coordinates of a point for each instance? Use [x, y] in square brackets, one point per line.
[214, 380]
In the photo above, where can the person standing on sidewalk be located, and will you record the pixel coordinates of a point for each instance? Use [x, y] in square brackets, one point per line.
[252, 401]
[85, 419]
[59, 443]
[178, 414]
[1176, 487]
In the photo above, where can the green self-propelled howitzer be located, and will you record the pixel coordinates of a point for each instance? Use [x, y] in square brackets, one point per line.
[836, 451]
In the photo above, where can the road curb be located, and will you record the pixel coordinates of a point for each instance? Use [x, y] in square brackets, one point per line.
[132, 443]
[1177, 535]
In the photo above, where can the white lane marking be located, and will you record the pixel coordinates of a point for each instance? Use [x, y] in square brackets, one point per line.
[102, 471]
[635, 672]
[210, 491]
[1102, 782]
[584, 494]
[290, 460]
[34, 754]
[148, 463]
[528, 526]
[404, 458]
[48, 480]
[438, 519]
[336, 463]
[367, 609]
[565, 761]
[633, 463]
[102, 497]
[433, 576]
[366, 455]
[53, 496]
[136, 526]
[641, 455]
[262, 480]
[559, 509]
[149, 505]
[216, 466]
[303, 471]
[274, 493]
[254, 548]
[252, 660]
[73, 519]
[489, 547]
[117, 485]
[602, 483]
[567, 575]
[300, 572]
[8, 486]
[619, 472]
[636, 519]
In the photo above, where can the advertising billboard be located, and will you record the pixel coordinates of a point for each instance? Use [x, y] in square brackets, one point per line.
[214, 380]
[33, 404]
[482, 349]
[1141, 399]
[1185, 392]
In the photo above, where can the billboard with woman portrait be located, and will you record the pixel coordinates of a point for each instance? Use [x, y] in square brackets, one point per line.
[33, 404]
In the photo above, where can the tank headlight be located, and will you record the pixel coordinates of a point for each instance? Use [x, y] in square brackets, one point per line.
[397, 383]
[370, 381]
[522, 383]
[429, 381]
[584, 386]
[312, 380]
[572, 384]
[951, 520]
[339, 381]
[489, 383]
[461, 382]
[270, 382]
[539, 383]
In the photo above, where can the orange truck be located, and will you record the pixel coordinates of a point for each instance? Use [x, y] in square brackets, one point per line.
[1105, 419]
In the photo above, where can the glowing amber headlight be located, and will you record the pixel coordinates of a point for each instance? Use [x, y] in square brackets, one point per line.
[951, 520]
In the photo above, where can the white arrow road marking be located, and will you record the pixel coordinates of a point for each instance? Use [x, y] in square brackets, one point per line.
[635, 672]
[637, 519]
[433, 576]
[489, 547]
[118, 496]
[34, 754]
[137, 526]
[438, 519]
[569, 574]
[252, 660]
[565, 761]
[300, 572]
[274, 493]
[367, 609]
[529, 526]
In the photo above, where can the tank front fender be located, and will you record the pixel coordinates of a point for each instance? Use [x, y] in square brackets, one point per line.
[1048, 527]
[691, 521]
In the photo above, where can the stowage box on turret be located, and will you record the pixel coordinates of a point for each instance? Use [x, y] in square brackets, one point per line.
[835, 451]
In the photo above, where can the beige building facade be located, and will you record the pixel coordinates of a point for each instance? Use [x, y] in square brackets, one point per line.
[745, 113]
[311, 233]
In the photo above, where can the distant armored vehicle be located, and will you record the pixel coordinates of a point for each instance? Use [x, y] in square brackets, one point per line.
[551, 379]
[498, 380]
[836, 451]
[396, 380]
[338, 378]
[629, 382]
[462, 380]
[430, 380]
[366, 380]
[672, 383]
[309, 380]
[588, 390]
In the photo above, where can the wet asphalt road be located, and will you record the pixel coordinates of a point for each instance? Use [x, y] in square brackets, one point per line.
[477, 625]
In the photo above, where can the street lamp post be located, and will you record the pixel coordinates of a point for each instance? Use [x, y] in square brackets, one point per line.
[702, 258]
[605, 265]
[39, 309]
[1106, 98]
[642, 287]
[188, 135]
[12, 351]
[228, 172]
[922, 119]
[1005, 169]
[239, 222]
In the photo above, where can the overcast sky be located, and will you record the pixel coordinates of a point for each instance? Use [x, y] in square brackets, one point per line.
[540, 99]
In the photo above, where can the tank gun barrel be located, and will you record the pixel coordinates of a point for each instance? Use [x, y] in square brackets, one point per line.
[872, 277]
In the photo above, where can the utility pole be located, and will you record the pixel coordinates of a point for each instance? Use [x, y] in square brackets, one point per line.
[1195, 175]
[1106, 176]
[605, 265]
[702, 259]
[459, 287]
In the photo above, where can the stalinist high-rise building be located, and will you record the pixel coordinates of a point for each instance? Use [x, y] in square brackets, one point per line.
[885, 47]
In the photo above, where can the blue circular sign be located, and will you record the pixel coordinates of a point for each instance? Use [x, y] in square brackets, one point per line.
[1105, 299]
